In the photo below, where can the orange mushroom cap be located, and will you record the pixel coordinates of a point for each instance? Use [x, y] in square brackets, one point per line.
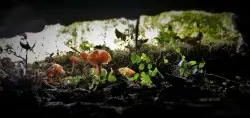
[84, 55]
[99, 57]
[74, 59]
[58, 69]
[126, 71]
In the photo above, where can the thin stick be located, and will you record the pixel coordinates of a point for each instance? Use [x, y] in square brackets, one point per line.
[75, 49]
[222, 78]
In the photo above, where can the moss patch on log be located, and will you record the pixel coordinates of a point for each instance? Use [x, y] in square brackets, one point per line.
[213, 30]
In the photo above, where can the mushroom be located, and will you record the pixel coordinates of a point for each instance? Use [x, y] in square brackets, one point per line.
[55, 69]
[97, 58]
[127, 72]
[83, 55]
[58, 69]
[74, 60]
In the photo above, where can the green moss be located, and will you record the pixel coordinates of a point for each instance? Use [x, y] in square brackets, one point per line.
[217, 28]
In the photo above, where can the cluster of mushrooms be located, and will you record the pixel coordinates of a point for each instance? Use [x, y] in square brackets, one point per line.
[96, 58]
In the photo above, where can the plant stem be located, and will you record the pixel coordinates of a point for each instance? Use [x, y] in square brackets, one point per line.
[136, 34]
[73, 68]
[26, 60]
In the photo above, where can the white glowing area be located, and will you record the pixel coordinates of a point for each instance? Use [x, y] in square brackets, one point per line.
[47, 41]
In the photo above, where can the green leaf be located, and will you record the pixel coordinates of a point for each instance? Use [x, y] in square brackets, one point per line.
[178, 50]
[111, 77]
[92, 71]
[135, 77]
[186, 74]
[173, 43]
[165, 61]
[202, 64]
[104, 73]
[143, 74]
[149, 66]
[138, 59]
[145, 58]
[141, 66]
[145, 79]
[155, 71]
[183, 57]
[181, 71]
[194, 67]
[191, 63]
[135, 58]
[84, 46]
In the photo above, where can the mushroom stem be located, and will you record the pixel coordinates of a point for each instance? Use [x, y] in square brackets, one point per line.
[73, 68]
[98, 69]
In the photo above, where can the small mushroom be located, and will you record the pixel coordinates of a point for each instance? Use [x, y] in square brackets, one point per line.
[83, 55]
[127, 72]
[74, 60]
[55, 69]
[97, 58]
[58, 69]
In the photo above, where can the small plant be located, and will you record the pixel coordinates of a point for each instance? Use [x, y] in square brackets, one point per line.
[146, 70]
[103, 78]
[186, 68]
[73, 80]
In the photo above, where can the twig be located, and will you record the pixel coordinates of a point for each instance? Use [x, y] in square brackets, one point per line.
[14, 53]
[75, 49]
[222, 78]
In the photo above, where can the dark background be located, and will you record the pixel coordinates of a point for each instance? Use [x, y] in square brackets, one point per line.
[18, 16]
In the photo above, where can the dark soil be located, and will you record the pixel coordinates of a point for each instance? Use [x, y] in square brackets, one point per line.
[118, 100]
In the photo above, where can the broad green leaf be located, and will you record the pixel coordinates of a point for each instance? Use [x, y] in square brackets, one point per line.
[141, 66]
[194, 67]
[183, 57]
[181, 71]
[97, 78]
[145, 79]
[85, 46]
[111, 77]
[191, 63]
[145, 58]
[149, 66]
[143, 74]
[202, 64]
[151, 73]
[135, 58]
[138, 59]
[92, 71]
[173, 42]
[104, 73]
[135, 77]
[165, 61]
[155, 71]
[186, 74]
[178, 50]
